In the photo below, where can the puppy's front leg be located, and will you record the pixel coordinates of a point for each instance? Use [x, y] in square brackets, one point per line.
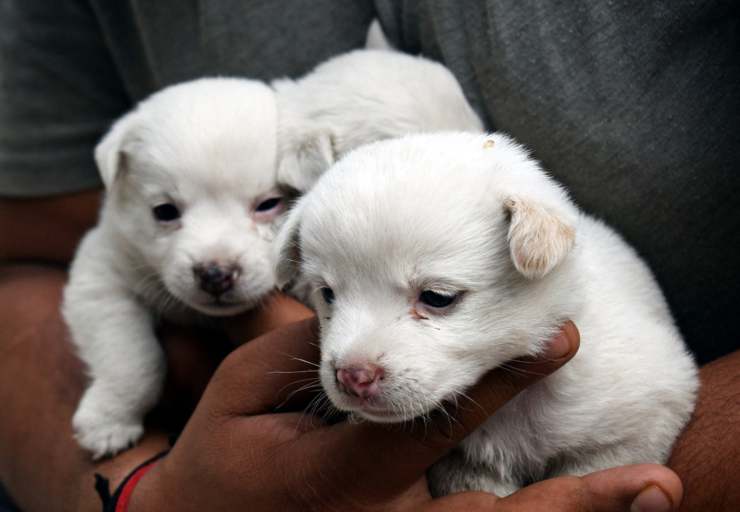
[115, 338]
[455, 473]
[126, 366]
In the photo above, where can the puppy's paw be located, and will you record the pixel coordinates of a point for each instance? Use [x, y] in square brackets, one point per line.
[103, 435]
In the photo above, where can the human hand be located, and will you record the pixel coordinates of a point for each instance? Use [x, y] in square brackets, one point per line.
[41, 381]
[707, 453]
[44, 468]
[194, 354]
[237, 453]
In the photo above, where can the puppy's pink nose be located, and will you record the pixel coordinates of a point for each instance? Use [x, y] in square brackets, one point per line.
[361, 380]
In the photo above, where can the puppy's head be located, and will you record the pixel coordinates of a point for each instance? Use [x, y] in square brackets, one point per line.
[360, 97]
[432, 259]
[190, 179]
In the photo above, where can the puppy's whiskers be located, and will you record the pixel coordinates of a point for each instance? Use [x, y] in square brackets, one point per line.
[469, 399]
[311, 363]
[292, 371]
[320, 406]
[519, 371]
[311, 383]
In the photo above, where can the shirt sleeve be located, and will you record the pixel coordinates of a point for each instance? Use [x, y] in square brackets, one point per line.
[59, 91]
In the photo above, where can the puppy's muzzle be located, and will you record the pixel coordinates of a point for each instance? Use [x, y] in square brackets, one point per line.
[216, 279]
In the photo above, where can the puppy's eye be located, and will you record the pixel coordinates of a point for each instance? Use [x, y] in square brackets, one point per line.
[269, 204]
[435, 299]
[328, 294]
[166, 212]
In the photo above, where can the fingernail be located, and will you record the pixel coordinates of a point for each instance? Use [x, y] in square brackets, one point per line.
[651, 499]
[557, 347]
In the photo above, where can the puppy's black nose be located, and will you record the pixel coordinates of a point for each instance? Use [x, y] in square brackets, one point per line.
[216, 279]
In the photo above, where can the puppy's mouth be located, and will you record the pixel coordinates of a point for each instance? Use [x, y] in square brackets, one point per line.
[220, 307]
[220, 303]
[378, 414]
[398, 409]
[374, 409]
[381, 415]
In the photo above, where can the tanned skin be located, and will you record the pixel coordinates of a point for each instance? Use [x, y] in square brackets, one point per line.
[233, 436]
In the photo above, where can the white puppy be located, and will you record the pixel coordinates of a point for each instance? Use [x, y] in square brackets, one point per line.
[361, 97]
[435, 258]
[185, 232]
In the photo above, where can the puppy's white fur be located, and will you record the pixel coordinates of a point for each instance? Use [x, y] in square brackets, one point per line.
[209, 148]
[474, 216]
[376, 38]
[360, 97]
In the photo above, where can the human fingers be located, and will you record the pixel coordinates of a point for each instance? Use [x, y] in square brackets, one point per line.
[192, 358]
[383, 460]
[465, 502]
[636, 488]
[501, 385]
[194, 354]
[277, 310]
[259, 376]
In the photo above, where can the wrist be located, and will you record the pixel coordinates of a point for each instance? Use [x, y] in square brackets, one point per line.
[116, 470]
[140, 491]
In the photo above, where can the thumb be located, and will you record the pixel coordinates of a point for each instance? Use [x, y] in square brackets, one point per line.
[637, 488]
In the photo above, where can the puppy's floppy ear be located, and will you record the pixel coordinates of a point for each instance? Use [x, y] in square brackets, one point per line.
[539, 237]
[109, 151]
[286, 248]
[376, 39]
[303, 163]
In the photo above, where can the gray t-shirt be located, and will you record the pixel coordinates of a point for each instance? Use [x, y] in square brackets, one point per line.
[634, 106]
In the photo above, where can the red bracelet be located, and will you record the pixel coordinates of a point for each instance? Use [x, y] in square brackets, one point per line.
[128, 487]
[120, 499]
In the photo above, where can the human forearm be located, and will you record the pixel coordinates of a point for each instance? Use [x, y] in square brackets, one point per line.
[707, 455]
[45, 229]
[40, 461]
[41, 381]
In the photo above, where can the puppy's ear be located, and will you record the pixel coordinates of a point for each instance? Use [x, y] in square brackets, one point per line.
[301, 165]
[286, 249]
[376, 39]
[539, 237]
[109, 152]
